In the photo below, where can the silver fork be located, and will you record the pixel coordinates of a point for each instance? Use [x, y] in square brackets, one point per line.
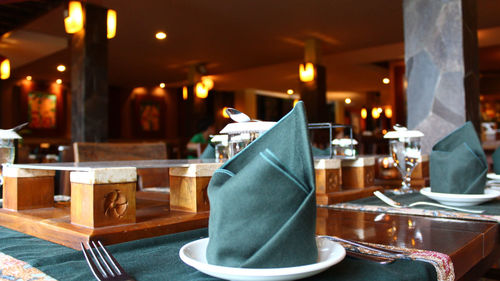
[104, 267]
[395, 204]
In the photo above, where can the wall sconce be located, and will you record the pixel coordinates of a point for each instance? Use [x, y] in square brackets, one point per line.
[74, 21]
[388, 112]
[184, 93]
[208, 83]
[201, 91]
[224, 113]
[4, 68]
[375, 113]
[364, 113]
[306, 72]
[111, 23]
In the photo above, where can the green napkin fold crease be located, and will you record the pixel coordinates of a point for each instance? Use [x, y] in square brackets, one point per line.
[263, 202]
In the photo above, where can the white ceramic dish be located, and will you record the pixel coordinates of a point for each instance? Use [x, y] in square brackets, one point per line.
[329, 253]
[493, 176]
[461, 199]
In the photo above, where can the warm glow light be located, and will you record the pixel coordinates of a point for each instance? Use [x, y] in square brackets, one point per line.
[5, 69]
[59, 81]
[386, 80]
[201, 91]
[295, 102]
[29, 78]
[306, 72]
[289, 91]
[61, 68]
[348, 101]
[161, 35]
[74, 22]
[224, 113]
[375, 113]
[384, 131]
[162, 85]
[388, 112]
[111, 24]
[364, 113]
[184, 93]
[379, 110]
[208, 83]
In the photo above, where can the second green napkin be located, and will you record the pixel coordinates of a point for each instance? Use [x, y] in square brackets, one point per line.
[263, 202]
[458, 163]
[496, 161]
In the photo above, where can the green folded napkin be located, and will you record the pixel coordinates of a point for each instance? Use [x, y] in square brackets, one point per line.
[263, 203]
[496, 161]
[458, 163]
[209, 152]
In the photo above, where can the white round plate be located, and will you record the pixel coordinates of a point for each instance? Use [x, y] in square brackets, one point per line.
[461, 199]
[329, 253]
[493, 176]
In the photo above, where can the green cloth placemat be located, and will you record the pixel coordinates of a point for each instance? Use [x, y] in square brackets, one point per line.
[491, 207]
[157, 259]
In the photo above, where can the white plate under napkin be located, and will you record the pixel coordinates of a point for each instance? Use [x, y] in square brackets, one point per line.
[329, 253]
[452, 199]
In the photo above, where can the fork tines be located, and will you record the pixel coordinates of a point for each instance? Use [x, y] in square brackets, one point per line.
[102, 264]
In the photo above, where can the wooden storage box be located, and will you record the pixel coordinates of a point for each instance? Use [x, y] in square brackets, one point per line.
[27, 188]
[328, 175]
[188, 187]
[103, 197]
[358, 173]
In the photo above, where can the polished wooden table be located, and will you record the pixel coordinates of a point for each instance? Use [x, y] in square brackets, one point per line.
[473, 246]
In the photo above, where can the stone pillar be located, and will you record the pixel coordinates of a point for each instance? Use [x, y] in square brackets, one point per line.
[441, 56]
[313, 93]
[89, 78]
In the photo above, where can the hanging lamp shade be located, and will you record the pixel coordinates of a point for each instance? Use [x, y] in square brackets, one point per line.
[111, 24]
[4, 68]
[74, 21]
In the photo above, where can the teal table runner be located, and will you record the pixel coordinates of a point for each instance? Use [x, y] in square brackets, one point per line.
[157, 259]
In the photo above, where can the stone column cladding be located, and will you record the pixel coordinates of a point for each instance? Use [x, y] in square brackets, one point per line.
[89, 78]
[441, 56]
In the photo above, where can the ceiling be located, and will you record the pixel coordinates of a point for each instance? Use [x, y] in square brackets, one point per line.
[244, 44]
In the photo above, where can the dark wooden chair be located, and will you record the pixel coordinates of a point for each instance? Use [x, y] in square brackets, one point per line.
[151, 183]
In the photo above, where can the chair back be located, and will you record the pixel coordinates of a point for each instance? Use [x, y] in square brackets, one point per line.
[90, 151]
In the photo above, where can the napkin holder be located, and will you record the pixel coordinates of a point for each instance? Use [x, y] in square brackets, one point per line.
[103, 197]
[358, 173]
[188, 187]
[26, 189]
[242, 134]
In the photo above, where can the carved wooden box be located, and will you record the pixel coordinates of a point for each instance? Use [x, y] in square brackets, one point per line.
[103, 197]
[358, 173]
[328, 175]
[188, 187]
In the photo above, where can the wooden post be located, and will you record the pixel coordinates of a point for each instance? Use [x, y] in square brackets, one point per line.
[27, 188]
[188, 187]
[103, 197]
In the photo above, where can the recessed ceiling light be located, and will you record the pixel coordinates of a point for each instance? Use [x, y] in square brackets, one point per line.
[289, 91]
[61, 68]
[386, 80]
[347, 101]
[162, 85]
[59, 81]
[161, 35]
[29, 78]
